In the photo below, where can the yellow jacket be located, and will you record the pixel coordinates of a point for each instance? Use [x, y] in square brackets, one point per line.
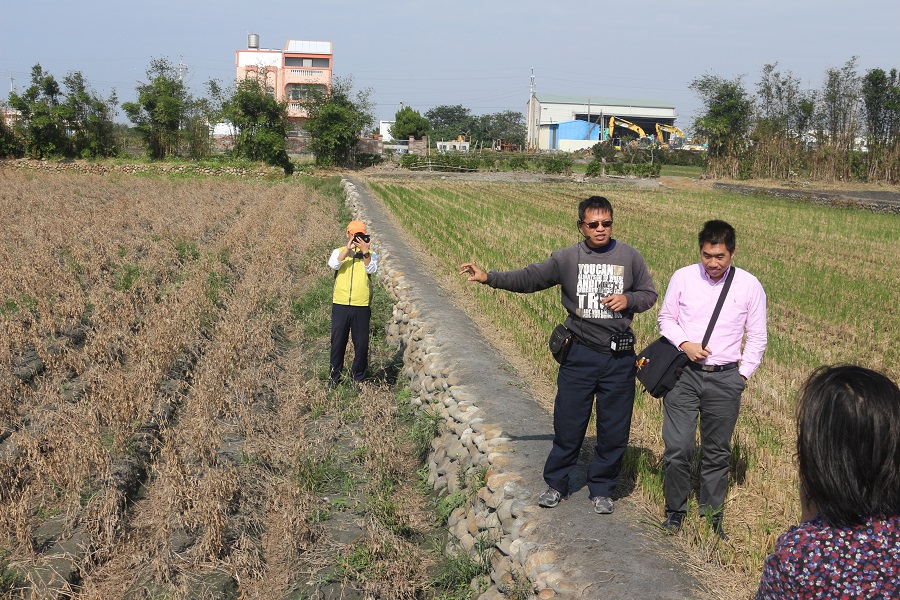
[351, 283]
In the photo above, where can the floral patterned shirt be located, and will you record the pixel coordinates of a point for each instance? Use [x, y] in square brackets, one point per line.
[816, 560]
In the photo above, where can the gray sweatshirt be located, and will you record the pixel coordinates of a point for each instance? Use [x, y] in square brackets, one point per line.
[586, 275]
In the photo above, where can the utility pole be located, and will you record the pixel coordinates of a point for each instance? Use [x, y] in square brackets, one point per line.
[534, 118]
[590, 124]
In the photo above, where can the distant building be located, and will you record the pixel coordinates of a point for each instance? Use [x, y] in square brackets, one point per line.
[9, 115]
[290, 74]
[454, 146]
[569, 123]
[384, 130]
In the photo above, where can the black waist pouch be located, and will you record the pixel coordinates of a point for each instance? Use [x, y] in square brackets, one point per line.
[560, 341]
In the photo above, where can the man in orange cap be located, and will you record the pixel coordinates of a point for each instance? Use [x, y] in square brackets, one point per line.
[351, 309]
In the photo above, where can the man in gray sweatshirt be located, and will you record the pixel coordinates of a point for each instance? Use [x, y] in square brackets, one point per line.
[603, 282]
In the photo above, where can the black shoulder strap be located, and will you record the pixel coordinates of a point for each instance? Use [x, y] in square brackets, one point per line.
[715, 315]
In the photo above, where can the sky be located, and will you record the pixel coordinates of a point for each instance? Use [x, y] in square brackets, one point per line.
[480, 54]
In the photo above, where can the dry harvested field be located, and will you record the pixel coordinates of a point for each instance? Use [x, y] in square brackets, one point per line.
[164, 432]
[831, 276]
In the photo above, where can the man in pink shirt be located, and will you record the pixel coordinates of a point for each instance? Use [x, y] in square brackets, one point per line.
[716, 375]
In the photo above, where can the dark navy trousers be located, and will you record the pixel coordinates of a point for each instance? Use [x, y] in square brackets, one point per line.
[350, 322]
[588, 376]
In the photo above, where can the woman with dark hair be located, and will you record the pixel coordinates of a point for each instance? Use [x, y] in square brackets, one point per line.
[848, 451]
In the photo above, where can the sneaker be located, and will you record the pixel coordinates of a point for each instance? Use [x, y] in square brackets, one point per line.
[602, 505]
[673, 522]
[550, 498]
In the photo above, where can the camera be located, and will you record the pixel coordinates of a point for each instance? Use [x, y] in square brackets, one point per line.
[361, 236]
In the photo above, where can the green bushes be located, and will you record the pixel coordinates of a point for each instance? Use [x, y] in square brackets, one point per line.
[637, 170]
[595, 169]
[603, 150]
[365, 159]
[556, 164]
[517, 162]
[10, 146]
[489, 162]
[686, 158]
[446, 162]
[408, 161]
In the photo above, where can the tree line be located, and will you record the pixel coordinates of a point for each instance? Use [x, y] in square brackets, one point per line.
[451, 122]
[849, 129]
[70, 120]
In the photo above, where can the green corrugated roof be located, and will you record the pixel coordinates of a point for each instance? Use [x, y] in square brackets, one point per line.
[604, 101]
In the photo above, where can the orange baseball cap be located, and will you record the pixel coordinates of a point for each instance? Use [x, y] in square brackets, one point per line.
[356, 227]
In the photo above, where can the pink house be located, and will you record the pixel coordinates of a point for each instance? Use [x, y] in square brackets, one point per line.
[289, 74]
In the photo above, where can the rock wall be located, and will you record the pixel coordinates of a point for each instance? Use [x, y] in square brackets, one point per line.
[499, 518]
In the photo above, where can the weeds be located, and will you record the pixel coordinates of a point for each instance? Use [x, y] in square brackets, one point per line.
[216, 288]
[445, 505]
[467, 486]
[387, 511]
[455, 573]
[312, 309]
[323, 475]
[9, 577]
[186, 250]
[361, 562]
[519, 588]
[424, 425]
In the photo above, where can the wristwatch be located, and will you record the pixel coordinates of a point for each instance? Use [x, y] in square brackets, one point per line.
[367, 254]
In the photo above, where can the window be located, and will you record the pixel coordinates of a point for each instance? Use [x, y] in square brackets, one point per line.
[297, 61]
[299, 92]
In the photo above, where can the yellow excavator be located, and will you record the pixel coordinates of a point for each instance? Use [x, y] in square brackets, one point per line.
[676, 137]
[643, 140]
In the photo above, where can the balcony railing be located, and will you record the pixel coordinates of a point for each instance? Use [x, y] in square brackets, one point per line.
[306, 73]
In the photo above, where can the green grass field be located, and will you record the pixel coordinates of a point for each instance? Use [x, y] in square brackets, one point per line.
[830, 274]
[681, 171]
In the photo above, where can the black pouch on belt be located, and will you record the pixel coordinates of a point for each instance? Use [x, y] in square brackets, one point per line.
[560, 341]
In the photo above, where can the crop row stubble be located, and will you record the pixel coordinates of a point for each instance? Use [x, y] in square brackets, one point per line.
[151, 444]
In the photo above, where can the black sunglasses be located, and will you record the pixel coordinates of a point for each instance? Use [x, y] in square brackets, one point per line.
[595, 224]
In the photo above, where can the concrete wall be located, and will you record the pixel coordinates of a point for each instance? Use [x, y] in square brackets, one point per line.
[369, 145]
[419, 146]
[573, 145]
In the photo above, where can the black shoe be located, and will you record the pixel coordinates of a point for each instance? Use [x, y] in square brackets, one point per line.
[715, 522]
[673, 522]
[332, 383]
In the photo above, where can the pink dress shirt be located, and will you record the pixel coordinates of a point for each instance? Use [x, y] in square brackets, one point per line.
[689, 303]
